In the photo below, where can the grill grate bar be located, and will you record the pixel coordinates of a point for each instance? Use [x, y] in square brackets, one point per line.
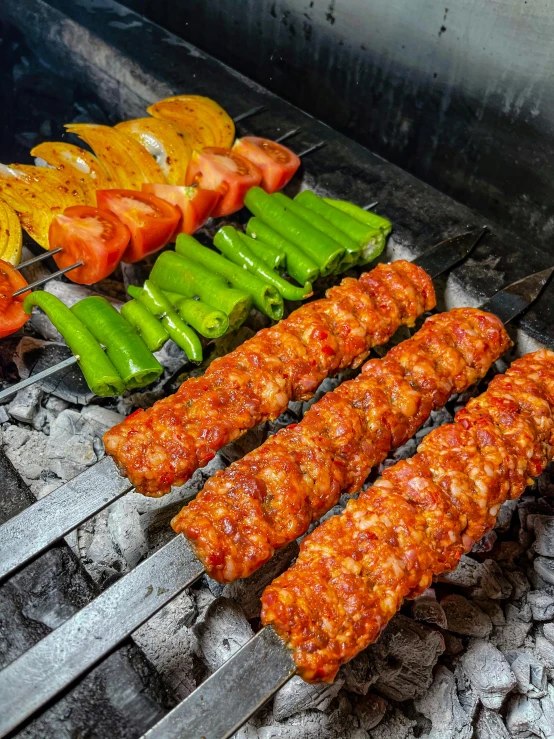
[44, 522]
[77, 645]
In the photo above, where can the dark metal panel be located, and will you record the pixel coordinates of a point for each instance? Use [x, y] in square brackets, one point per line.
[460, 94]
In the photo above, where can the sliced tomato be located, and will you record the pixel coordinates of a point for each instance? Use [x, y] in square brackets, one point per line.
[194, 203]
[89, 235]
[151, 220]
[230, 174]
[277, 163]
[12, 315]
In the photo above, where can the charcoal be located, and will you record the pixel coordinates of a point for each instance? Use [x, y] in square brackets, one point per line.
[168, 643]
[548, 631]
[527, 717]
[100, 419]
[463, 617]
[486, 543]
[544, 535]
[370, 710]
[492, 583]
[126, 531]
[416, 648]
[395, 725]
[223, 631]
[544, 567]
[467, 574]
[493, 611]
[67, 384]
[489, 673]
[522, 613]
[297, 696]
[427, 608]
[405, 451]
[467, 694]
[27, 451]
[70, 448]
[529, 672]
[453, 645]
[512, 635]
[520, 584]
[490, 726]
[505, 514]
[545, 651]
[441, 705]
[26, 404]
[361, 672]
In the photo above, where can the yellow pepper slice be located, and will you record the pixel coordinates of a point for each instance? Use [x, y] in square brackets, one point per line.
[200, 116]
[11, 238]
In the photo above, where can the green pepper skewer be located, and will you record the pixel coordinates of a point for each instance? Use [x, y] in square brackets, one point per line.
[274, 258]
[177, 273]
[364, 216]
[324, 250]
[209, 322]
[133, 360]
[299, 266]
[100, 374]
[229, 243]
[352, 250]
[157, 303]
[145, 324]
[265, 297]
[371, 238]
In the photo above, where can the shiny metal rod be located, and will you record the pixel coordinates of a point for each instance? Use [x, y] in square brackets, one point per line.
[44, 280]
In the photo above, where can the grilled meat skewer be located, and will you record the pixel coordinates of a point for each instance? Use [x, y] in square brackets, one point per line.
[165, 444]
[271, 496]
[414, 522]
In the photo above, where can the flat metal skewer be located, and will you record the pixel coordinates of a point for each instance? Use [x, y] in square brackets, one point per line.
[65, 654]
[287, 135]
[9, 391]
[248, 113]
[310, 149]
[17, 547]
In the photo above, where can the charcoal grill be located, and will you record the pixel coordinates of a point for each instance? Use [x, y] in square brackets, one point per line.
[109, 64]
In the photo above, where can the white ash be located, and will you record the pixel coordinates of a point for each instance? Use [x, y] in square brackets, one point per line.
[530, 673]
[297, 696]
[464, 617]
[491, 726]
[489, 673]
[441, 705]
[222, 631]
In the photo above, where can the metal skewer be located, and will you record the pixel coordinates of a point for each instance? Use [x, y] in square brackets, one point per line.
[49, 517]
[310, 149]
[44, 280]
[47, 668]
[40, 258]
[251, 112]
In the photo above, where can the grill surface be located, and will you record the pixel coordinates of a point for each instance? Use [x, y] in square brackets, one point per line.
[113, 64]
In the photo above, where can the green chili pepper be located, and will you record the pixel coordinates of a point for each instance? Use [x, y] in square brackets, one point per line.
[265, 297]
[299, 266]
[133, 360]
[145, 324]
[364, 216]
[324, 250]
[156, 302]
[209, 322]
[229, 243]
[274, 258]
[178, 274]
[100, 374]
[370, 237]
[352, 250]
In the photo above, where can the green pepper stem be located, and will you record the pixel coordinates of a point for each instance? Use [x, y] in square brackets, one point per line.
[324, 250]
[265, 297]
[133, 360]
[228, 241]
[100, 374]
[144, 323]
[178, 274]
[209, 322]
[274, 258]
[157, 303]
[299, 266]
